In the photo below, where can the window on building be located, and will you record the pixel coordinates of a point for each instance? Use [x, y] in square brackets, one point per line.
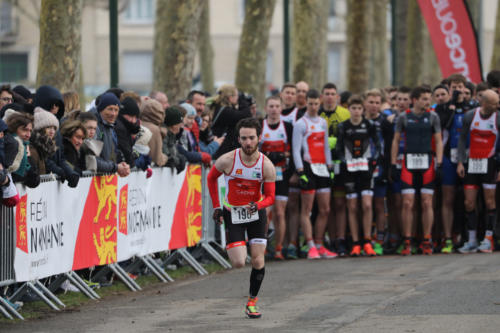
[5, 17]
[13, 67]
[269, 66]
[140, 12]
[137, 67]
[241, 8]
[332, 15]
[334, 63]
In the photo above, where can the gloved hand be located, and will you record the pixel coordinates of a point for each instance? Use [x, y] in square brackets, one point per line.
[252, 207]
[395, 173]
[303, 180]
[73, 179]
[332, 174]
[206, 158]
[3, 176]
[276, 156]
[332, 142]
[149, 172]
[438, 174]
[143, 162]
[217, 216]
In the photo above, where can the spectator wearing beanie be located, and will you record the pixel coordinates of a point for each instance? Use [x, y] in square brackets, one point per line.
[126, 127]
[173, 121]
[152, 117]
[24, 92]
[106, 113]
[187, 144]
[42, 142]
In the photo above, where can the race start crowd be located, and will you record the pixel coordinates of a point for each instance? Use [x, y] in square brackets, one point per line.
[394, 170]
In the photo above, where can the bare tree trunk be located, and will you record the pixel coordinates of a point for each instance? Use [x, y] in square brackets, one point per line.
[309, 45]
[252, 54]
[401, 8]
[60, 44]
[377, 64]
[414, 46]
[430, 72]
[176, 41]
[495, 58]
[206, 51]
[357, 41]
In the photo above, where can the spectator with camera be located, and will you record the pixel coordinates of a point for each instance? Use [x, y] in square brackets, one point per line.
[173, 122]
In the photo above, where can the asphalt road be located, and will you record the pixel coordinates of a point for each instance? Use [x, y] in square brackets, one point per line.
[439, 293]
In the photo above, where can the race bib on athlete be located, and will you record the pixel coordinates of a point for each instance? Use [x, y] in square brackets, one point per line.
[454, 155]
[279, 174]
[336, 168]
[399, 161]
[417, 161]
[357, 164]
[478, 165]
[320, 170]
[241, 215]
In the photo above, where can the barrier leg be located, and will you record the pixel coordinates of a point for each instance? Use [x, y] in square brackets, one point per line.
[46, 291]
[5, 304]
[5, 313]
[81, 285]
[191, 261]
[29, 286]
[215, 255]
[160, 270]
[123, 276]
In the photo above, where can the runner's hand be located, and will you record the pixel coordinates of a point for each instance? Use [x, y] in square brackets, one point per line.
[332, 174]
[460, 170]
[252, 208]
[217, 215]
[303, 180]
[395, 173]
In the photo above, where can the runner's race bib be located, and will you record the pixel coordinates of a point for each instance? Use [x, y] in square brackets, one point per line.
[454, 155]
[357, 164]
[336, 168]
[417, 161]
[279, 174]
[320, 170]
[399, 161]
[478, 165]
[241, 215]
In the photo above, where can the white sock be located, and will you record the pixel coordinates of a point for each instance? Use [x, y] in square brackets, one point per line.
[472, 237]
[311, 244]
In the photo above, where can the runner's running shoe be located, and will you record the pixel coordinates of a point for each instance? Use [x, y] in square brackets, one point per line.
[426, 247]
[340, 245]
[469, 247]
[304, 250]
[379, 250]
[313, 253]
[406, 248]
[486, 245]
[278, 256]
[356, 251]
[324, 253]
[368, 249]
[252, 311]
[291, 252]
[447, 246]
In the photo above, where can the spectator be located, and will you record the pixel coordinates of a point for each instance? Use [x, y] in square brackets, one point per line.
[24, 92]
[160, 97]
[8, 191]
[50, 99]
[5, 96]
[71, 102]
[126, 127]
[208, 142]
[152, 117]
[42, 143]
[74, 133]
[133, 95]
[227, 113]
[173, 121]
[188, 144]
[106, 114]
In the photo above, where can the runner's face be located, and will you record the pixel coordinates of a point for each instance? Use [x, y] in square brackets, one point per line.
[302, 89]
[329, 98]
[313, 105]
[288, 96]
[403, 101]
[273, 109]
[356, 111]
[441, 96]
[423, 102]
[248, 140]
[393, 97]
[467, 94]
[372, 105]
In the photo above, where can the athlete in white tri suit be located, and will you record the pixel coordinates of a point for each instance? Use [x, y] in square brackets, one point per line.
[480, 168]
[313, 163]
[245, 171]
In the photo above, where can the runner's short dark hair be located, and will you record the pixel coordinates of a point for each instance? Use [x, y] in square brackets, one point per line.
[418, 91]
[249, 123]
[329, 85]
[312, 93]
[355, 99]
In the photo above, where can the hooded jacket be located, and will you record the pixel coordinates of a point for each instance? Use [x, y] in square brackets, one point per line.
[152, 116]
[48, 96]
[106, 133]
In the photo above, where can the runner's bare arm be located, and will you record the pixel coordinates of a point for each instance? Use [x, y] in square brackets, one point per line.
[269, 170]
[269, 187]
[395, 147]
[223, 165]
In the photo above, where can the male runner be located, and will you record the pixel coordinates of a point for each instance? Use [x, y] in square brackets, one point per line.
[275, 144]
[335, 114]
[420, 126]
[355, 137]
[480, 128]
[245, 169]
[288, 96]
[314, 167]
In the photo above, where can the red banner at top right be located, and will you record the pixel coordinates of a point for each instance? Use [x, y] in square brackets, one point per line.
[453, 37]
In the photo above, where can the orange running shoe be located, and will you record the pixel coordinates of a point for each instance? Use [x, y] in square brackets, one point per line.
[426, 247]
[406, 248]
[368, 249]
[252, 311]
[278, 256]
[356, 251]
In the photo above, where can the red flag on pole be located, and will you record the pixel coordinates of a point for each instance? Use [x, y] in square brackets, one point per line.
[453, 37]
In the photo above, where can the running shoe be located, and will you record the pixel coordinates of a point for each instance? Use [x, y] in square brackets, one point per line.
[368, 250]
[406, 248]
[324, 253]
[426, 247]
[278, 256]
[356, 251]
[304, 250]
[291, 252]
[469, 247]
[313, 253]
[252, 311]
[340, 245]
[391, 246]
[447, 246]
[377, 247]
[486, 245]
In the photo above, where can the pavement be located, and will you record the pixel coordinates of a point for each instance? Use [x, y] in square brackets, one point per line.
[438, 293]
